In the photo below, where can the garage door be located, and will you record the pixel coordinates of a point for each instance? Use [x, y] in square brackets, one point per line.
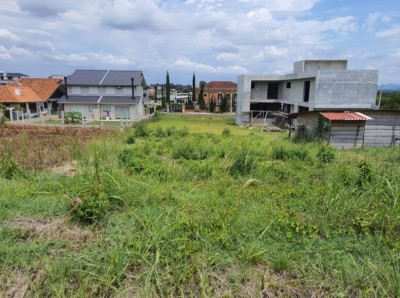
[122, 113]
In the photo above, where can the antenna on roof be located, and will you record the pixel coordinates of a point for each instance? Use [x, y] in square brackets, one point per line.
[66, 87]
[133, 89]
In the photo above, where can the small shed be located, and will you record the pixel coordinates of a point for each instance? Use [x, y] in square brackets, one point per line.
[346, 130]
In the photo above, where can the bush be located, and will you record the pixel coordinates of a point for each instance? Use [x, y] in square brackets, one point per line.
[92, 206]
[183, 132]
[3, 120]
[141, 130]
[243, 163]
[131, 159]
[159, 133]
[9, 169]
[325, 155]
[282, 153]
[130, 140]
[226, 132]
[73, 117]
[190, 152]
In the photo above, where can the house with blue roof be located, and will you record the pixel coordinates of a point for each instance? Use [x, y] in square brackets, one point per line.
[105, 94]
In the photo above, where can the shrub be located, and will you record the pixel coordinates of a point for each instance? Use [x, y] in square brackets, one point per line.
[190, 152]
[73, 117]
[141, 130]
[9, 169]
[159, 133]
[131, 159]
[365, 174]
[130, 140]
[226, 132]
[243, 163]
[282, 153]
[325, 155]
[92, 206]
[183, 132]
[3, 120]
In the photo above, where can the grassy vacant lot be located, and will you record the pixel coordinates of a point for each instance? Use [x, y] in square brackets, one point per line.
[195, 206]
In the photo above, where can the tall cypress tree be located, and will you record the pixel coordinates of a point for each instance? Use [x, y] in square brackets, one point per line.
[194, 88]
[168, 89]
[201, 101]
[162, 97]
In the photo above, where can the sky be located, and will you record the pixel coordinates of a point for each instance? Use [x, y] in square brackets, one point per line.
[216, 39]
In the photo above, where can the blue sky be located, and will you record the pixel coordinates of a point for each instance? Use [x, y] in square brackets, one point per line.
[217, 39]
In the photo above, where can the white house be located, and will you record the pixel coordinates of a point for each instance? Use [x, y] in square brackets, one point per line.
[105, 94]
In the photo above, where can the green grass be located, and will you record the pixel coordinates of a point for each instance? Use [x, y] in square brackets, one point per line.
[179, 206]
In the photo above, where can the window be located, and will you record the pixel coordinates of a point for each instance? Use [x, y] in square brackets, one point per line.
[306, 94]
[253, 85]
[273, 91]
[127, 91]
[288, 85]
[76, 90]
[93, 90]
[110, 90]
[107, 108]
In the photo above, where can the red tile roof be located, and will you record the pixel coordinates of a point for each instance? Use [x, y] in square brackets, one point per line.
[220, 86]
[44, 88]
[14, 93]
[29, 90]
[346, 116]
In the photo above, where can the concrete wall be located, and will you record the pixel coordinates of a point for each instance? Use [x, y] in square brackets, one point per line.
[346, 89]
[314, 65]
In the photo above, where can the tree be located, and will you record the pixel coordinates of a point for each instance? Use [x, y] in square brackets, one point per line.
[162, 97]
[155, 93]
[168, 90]
[390, 101]
[212, 104]
[224, 105]
[194, 88]
[201, 101]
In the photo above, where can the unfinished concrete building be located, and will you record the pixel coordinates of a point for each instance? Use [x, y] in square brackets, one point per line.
[313, 85]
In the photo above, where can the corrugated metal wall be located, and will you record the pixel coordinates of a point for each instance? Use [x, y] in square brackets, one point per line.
[347, 134]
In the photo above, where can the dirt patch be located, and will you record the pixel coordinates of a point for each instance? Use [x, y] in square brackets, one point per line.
[51, 228]
[68, 169]
[18, 284]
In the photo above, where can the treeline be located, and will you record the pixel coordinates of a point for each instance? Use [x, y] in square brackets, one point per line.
[389, 100]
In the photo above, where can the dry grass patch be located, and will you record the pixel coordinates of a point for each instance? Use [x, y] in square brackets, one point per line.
[51, 229]
[18, 284]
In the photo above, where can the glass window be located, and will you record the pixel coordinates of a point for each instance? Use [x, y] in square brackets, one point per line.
[110, 90]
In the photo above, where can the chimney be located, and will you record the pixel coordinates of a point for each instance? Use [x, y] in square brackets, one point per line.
[66, 87]
[133, 89]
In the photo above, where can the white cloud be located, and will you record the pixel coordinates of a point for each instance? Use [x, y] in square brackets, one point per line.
[4, 54]
[6, 34]
[185, 63]
[395, 30]
[93, 58]
[286, 5]
[273, 52]
[228, 57]
[9, 5]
